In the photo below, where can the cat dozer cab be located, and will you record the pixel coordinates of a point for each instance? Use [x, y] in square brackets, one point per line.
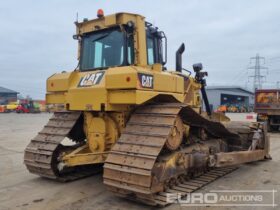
[123, 109]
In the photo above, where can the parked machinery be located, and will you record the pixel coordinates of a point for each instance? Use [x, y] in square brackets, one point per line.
[27, 106]
[122, 108]
[267, 106]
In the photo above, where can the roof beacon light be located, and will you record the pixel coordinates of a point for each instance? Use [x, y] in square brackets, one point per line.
[100, 13]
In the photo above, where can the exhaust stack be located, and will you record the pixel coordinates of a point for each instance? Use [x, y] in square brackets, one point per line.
[179, 53]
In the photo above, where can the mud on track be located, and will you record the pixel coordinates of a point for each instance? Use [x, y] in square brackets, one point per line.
[21, 190]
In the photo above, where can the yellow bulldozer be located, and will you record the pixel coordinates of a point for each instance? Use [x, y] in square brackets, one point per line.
[124, 111]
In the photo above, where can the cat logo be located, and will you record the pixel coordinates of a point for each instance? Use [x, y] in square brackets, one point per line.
[146, 80]
[91, 79]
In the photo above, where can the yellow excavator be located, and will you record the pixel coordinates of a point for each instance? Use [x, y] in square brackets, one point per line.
[122, 109]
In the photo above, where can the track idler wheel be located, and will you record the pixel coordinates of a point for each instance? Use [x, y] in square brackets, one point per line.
[175, 137]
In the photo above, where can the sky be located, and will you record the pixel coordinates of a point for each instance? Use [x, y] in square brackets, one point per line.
[36, 37]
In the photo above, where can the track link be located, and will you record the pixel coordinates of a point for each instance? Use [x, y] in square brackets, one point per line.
[42, 153]
[189, 186]
[128, 170]
[128, 167]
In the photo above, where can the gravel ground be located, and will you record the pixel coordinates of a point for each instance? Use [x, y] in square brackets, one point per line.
[22, 190]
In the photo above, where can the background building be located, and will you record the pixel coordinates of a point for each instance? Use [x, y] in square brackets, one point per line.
[230, 96]
[7, 95]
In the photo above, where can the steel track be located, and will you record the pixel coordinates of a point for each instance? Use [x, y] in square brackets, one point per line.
[128, 168]
[189, 186]
[42, 153]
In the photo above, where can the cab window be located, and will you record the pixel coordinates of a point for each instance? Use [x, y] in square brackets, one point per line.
[150, 50]
[154, 46]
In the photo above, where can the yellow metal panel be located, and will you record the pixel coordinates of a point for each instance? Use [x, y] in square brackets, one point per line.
[157, 67]
[55, 98]
[164, 82]
[130, 96]
[83, 159]
[141, 41]
[179, 85]
[106, 21]
[59, 82]
[143, 96]
[121, 78]
[96, 140]
[137, 96]
[122, 97]
[89, 26]
[118, 78]
[110, 20]
[119, 88]
[123, 18]
[86, 98]
[82, 156]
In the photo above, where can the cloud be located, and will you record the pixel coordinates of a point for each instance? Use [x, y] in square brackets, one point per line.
[36, 36]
